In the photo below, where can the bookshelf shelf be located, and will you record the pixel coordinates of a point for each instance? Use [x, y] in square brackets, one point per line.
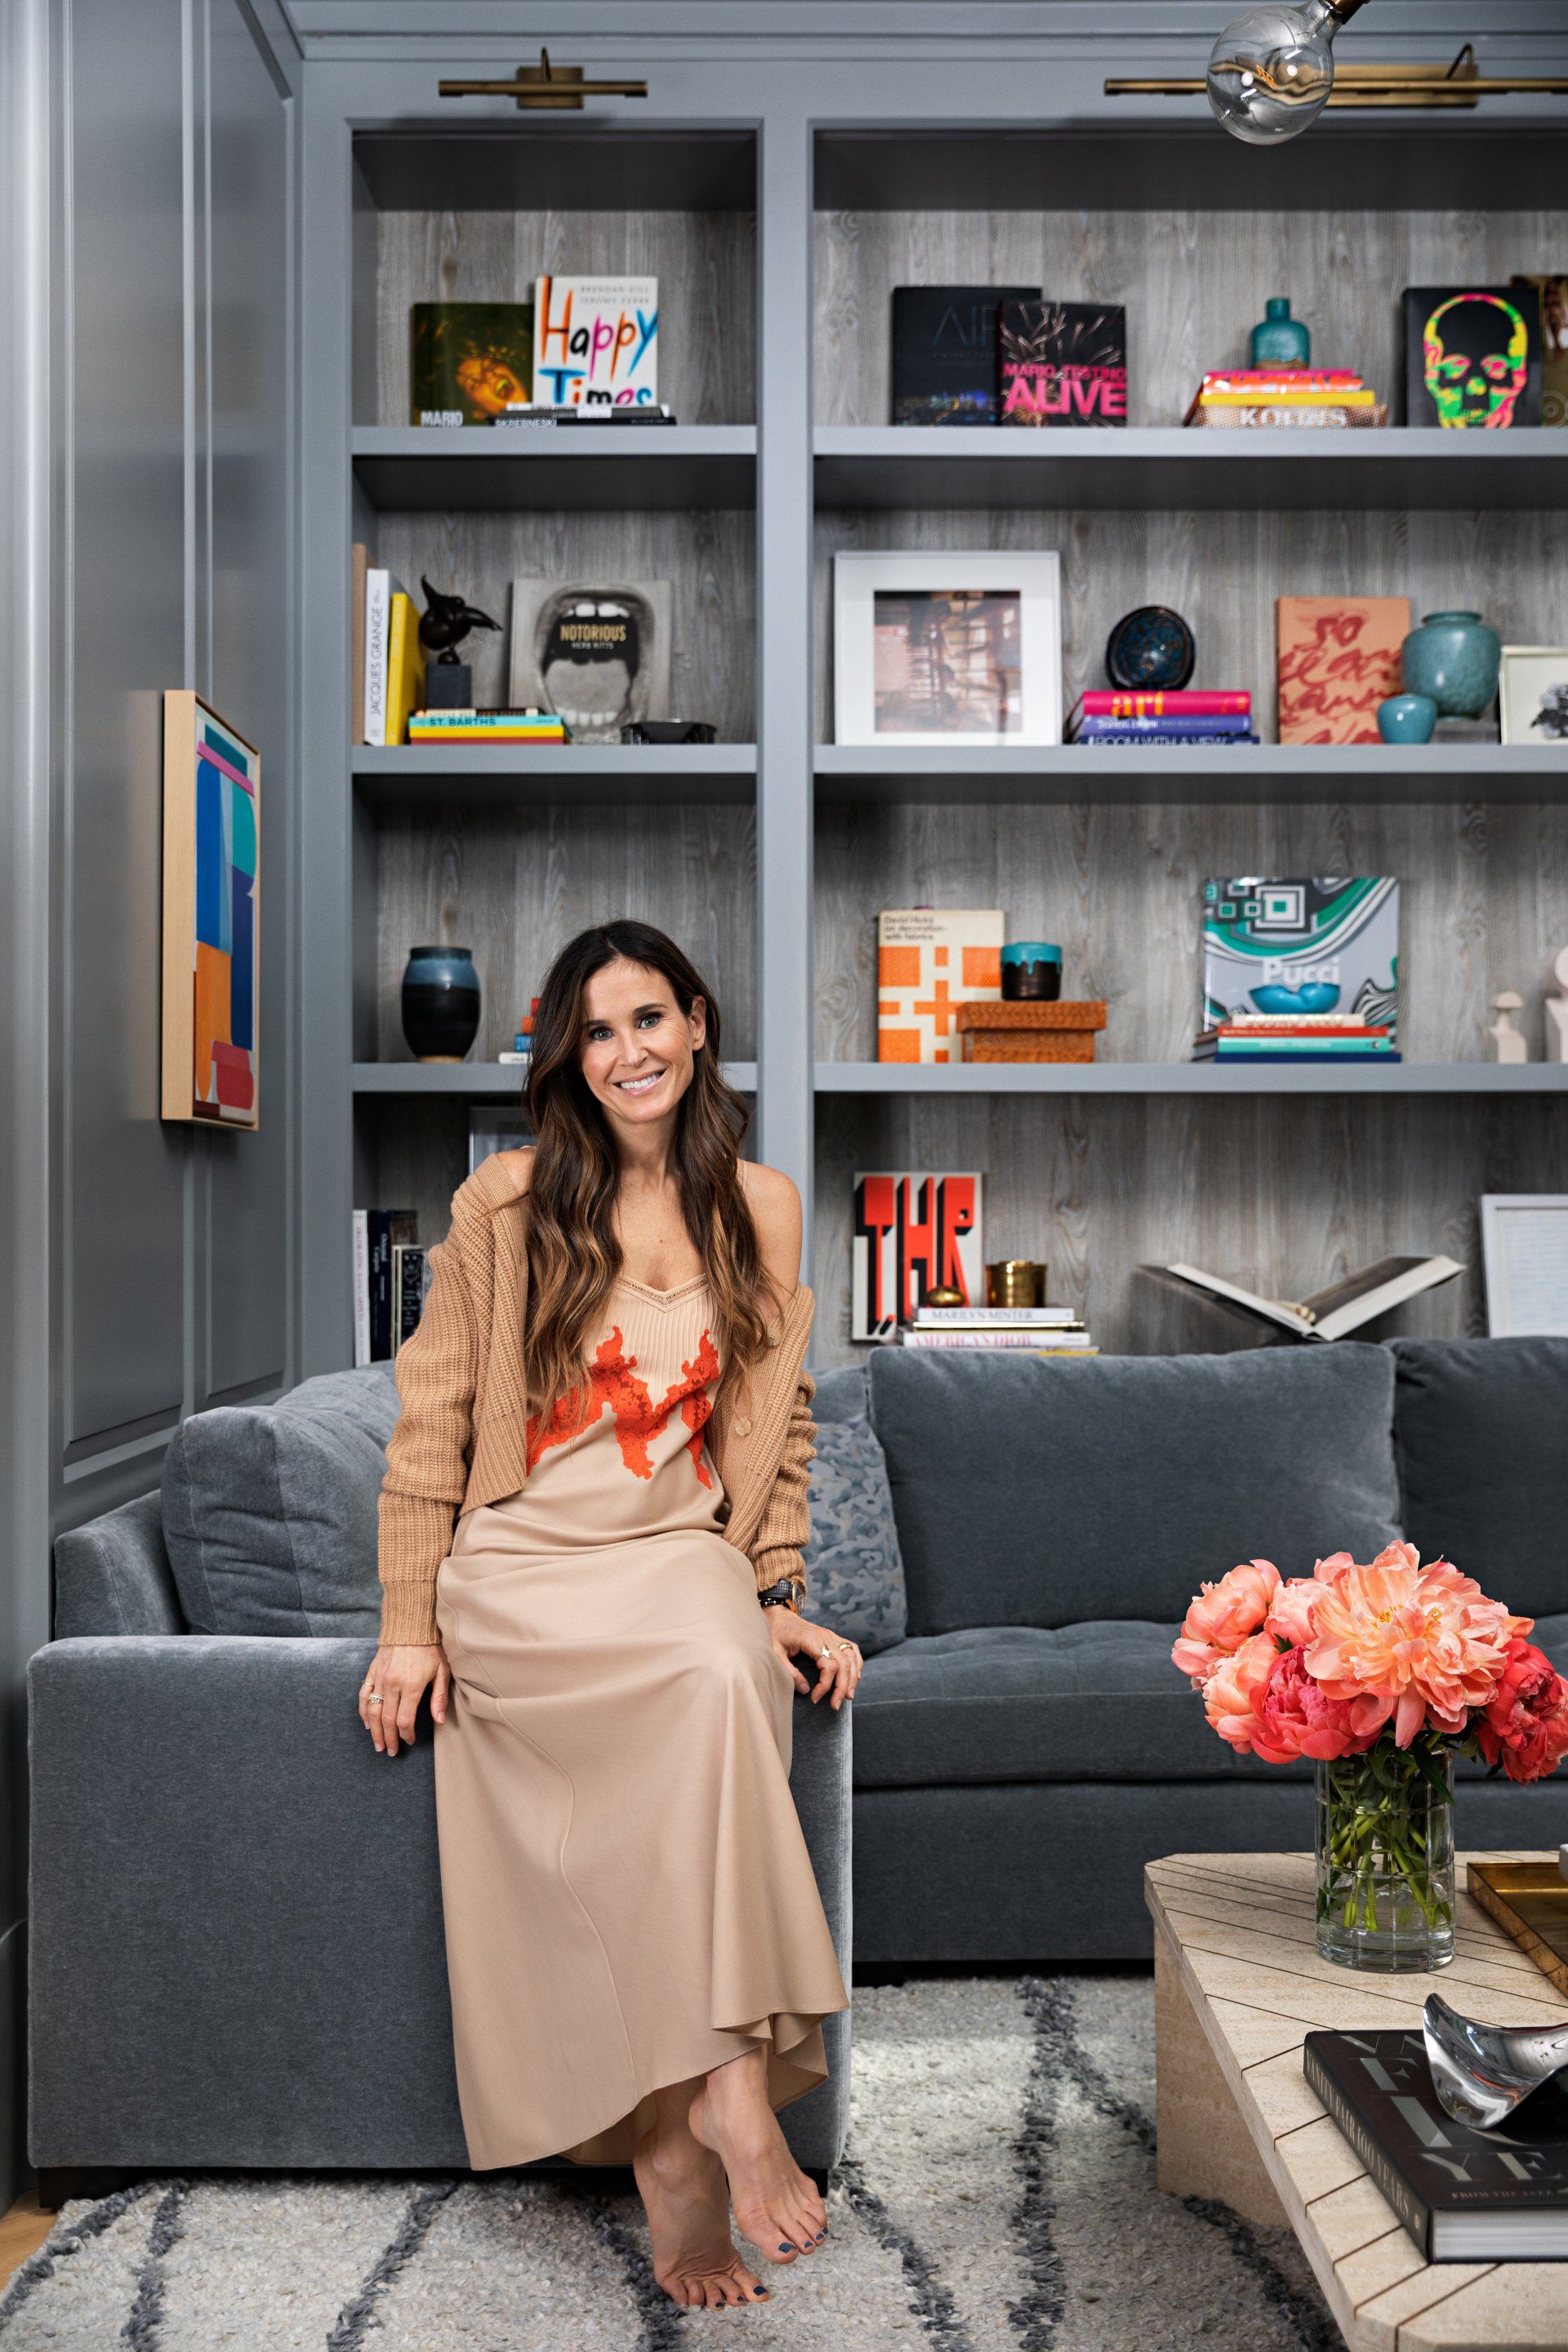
[1137, 467]
[569, 774]
[479, 1081]
[1187, 1078]
[470, 469]
[1279, 773]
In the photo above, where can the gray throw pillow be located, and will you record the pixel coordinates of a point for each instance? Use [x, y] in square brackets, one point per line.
[270, 1511]
[855, 1574]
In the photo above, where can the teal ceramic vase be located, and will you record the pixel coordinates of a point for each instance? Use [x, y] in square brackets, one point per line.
[1454, 659]
[1279, 340]
[1407, 719]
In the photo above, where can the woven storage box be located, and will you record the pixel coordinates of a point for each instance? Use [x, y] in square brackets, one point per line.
[1029, 1032]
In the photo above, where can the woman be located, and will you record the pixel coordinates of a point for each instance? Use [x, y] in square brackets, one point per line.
[590, 1554]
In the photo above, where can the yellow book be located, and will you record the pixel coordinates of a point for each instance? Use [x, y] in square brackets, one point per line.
[405, 668]
[1364, 398]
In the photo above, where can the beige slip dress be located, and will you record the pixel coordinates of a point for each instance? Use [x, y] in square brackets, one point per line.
[628, 1897]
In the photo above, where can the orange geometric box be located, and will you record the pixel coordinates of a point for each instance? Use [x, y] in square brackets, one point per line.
[929, 960]
[1059, 1032]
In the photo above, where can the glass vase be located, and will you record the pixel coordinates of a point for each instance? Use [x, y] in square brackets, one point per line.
[1386, 1857]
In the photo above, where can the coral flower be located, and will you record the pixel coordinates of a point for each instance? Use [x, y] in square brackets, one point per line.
[1234, 1686]
[1421, 1646]
[1223, 1616]
[1293, 1717]
[1290, 1618]
[1525, 1727]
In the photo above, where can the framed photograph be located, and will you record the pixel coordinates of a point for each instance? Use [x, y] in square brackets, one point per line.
[947, 649]
[595, 651]
[1525, 1247]
[212, 935]
[1532, 694]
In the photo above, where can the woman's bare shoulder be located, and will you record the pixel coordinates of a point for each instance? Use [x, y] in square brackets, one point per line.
[773, 1200]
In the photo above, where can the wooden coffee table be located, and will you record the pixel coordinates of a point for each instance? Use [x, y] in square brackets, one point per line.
[1238, 1986]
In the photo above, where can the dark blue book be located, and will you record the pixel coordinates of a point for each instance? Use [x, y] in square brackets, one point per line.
[1202, 726]
[944, 351]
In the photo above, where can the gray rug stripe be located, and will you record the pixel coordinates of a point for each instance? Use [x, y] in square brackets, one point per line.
[141, 2330]
[929, 2299]
[349, 2331]
[56, 2250]
[1057, 2020]
[662, 2322]
[1037, 2315]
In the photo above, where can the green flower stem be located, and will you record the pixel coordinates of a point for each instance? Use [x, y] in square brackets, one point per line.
[1385, 1836]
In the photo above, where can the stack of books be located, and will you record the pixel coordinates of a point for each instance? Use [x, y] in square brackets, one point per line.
[487, 726]
[1042, 1330]
[1242, 399]
[1295, 1037]
[1173, 715]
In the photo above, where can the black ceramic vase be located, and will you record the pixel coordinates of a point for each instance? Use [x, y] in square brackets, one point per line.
[440, 1004]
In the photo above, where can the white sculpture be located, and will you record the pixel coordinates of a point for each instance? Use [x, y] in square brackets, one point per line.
[1510, 1045]
[1557, 1014]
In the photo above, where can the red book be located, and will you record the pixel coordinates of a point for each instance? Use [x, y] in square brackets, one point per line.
[1297, 379]
[1164, 702]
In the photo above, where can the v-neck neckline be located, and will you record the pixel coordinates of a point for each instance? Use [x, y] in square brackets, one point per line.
[663, 1297]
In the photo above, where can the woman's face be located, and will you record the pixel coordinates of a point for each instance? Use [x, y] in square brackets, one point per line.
[636, 1045]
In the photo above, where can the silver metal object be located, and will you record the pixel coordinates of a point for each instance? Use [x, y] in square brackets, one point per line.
[1480, 2073]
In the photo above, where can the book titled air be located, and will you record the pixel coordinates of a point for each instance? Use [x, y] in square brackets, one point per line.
[944, 351]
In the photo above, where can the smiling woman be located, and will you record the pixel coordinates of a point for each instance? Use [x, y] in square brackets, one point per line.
[607, 1390]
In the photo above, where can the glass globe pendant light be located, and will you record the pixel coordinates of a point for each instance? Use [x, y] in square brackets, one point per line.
[1270, 72]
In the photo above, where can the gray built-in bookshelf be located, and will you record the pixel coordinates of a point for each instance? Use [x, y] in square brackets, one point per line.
[779, 202]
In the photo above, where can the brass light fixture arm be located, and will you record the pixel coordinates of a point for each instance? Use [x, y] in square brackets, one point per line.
[1382, 86]
[545, 87]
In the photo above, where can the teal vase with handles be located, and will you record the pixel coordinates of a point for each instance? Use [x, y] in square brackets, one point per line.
[1454, 657]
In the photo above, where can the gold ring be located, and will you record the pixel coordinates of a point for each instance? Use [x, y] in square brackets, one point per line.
[844, 1645]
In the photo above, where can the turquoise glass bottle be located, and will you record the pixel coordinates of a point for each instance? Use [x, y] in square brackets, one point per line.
[1279, 340]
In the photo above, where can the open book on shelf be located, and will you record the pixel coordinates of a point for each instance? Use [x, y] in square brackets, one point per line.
[1343, 1306]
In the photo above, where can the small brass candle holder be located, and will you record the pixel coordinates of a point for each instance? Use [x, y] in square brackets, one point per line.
[1016, 1282]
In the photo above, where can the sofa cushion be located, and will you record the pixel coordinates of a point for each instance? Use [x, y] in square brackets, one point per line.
[1100, 1701]
[855, 1578]
[1035, 1491]
[270, 1511]
[841, 1394]
[1481, 1442]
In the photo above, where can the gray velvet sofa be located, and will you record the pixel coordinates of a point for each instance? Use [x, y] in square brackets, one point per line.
[1028, 1746]
[235, 1953]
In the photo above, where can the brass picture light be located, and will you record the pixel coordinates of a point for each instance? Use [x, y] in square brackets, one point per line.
[561, 88]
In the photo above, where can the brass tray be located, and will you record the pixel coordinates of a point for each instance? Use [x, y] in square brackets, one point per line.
[1530, 1901]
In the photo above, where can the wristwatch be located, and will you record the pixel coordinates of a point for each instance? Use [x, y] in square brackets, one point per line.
[778, 1596]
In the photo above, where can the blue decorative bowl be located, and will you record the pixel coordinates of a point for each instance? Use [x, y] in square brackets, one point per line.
[1150, 648]
[440, 1004]
[1407, 719]
[1454, 657]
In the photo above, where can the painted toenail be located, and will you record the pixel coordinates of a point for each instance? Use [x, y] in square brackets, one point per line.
[785, 2247]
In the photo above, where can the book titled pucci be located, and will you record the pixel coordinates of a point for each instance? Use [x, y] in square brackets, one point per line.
[596, 343]
[1293, 948]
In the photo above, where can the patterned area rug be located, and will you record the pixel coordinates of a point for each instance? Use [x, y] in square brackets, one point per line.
[998, 2196]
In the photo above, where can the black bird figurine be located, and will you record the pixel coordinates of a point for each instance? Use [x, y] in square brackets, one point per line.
[446, 622]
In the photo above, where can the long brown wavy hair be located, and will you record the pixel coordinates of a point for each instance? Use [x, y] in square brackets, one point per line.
[573, 1257]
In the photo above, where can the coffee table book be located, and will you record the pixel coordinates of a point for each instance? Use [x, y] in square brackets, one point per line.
[1464, 2195]
[1529, 1900]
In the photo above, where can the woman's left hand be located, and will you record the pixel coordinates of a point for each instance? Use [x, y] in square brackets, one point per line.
[839, 1662]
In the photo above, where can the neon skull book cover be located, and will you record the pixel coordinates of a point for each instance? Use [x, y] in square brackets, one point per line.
[1472, 357]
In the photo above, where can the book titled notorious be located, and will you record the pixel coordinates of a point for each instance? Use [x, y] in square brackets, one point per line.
[1061, 364]
[1464, 2196]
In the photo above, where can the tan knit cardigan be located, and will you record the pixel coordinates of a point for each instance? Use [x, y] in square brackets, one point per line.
[461, 1436]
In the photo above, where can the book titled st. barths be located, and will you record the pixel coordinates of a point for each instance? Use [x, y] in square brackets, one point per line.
[1464, 2196]
[944, 351]
[1061, 364]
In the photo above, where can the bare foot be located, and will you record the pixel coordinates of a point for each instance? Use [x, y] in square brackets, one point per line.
[776, 2207]
[694, 2256]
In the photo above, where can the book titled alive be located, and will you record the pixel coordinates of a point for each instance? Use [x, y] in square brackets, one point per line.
[1464, 2196]
[944, 351]
[1061, 364]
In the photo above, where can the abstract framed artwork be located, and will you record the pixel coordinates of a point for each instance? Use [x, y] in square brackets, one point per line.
[212, 945]
[947, 649]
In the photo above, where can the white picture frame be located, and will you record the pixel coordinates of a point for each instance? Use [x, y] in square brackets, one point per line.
[1022, 608]
[1524, 1249]
[1526, 673]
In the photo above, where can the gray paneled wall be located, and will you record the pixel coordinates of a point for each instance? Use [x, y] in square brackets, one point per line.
[1280, 1194]
[705, 264]
[1194, 284]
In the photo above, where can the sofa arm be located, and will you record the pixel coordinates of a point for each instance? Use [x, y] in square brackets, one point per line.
[235, 1935]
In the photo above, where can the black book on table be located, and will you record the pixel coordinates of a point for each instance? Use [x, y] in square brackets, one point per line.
[1464, 2196]
[944, 351]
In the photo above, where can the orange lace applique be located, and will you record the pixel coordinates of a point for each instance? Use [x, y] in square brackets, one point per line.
[613, 1383]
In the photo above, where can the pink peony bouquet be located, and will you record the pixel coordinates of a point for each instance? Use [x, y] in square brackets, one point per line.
[1328, 1665]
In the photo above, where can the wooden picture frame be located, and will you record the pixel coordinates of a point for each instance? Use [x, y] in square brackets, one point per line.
[212, 909]
[1010, 604]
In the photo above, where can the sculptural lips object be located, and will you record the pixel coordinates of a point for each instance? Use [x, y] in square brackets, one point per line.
[1480, 2073]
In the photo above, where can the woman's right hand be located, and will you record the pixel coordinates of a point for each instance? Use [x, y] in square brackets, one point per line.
[390, 1693]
